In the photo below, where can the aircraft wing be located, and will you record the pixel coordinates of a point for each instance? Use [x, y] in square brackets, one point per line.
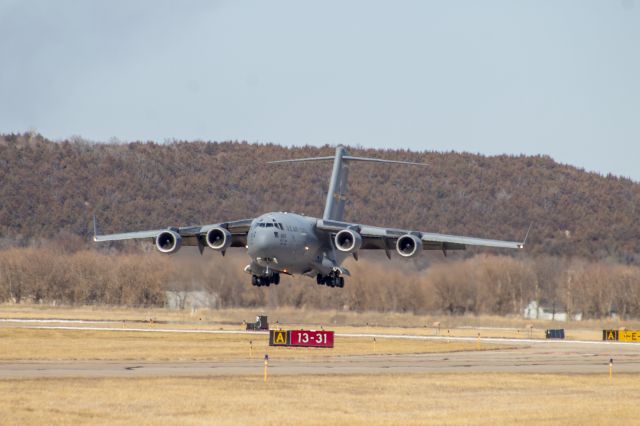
[191, 235]
[374, 237]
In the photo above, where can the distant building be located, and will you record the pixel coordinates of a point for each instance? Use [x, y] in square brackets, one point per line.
[191, 300]
[544, 311]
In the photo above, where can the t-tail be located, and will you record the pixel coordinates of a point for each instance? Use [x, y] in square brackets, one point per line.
[336, 197]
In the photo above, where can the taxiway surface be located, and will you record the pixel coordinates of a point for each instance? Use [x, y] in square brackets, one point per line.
[548, 357]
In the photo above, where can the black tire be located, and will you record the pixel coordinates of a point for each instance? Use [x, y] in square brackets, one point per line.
[276, 279]
[341, 282]
[254, 280]
[319, 279]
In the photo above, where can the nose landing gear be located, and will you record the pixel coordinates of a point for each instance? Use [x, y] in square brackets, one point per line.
[331, 280]
[259, 281]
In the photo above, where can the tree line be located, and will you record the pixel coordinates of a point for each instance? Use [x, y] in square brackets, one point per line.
[483, 284]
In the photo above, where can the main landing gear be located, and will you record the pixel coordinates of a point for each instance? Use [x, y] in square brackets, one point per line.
[260, 281]
[331, 280]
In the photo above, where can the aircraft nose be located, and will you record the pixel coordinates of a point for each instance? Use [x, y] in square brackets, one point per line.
[260, 245]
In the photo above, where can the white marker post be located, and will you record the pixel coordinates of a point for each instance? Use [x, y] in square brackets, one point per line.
[266, 366]
[610, 368]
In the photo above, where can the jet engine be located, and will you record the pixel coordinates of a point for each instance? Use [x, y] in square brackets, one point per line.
[168, 242]
[408, 245]
[348, 241]
[218, 238]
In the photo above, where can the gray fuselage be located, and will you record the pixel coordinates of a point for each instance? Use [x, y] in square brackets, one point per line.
[290, 243]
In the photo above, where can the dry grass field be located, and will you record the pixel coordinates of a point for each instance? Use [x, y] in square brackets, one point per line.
[418, 398]
[28, 344]
[497, 399]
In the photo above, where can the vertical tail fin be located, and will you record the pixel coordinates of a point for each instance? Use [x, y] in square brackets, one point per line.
[336, 196]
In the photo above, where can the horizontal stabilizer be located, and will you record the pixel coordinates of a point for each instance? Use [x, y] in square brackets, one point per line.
[296, 160]
[346, 158]
[380, 160]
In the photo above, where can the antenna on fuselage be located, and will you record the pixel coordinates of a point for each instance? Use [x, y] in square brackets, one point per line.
[336, 196]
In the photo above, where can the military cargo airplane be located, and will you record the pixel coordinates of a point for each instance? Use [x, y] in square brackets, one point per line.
[288, 243]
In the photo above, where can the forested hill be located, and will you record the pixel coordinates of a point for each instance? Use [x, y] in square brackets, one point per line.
[49, 189]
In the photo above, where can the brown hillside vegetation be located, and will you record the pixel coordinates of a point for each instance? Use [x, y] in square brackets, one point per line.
[51, 189]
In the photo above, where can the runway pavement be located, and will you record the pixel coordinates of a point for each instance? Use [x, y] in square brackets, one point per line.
[551, 357]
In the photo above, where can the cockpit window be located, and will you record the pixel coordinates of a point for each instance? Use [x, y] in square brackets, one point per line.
[271, 225]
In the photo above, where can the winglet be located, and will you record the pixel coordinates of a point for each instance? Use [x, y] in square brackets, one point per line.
[526, 236]
[95, 228]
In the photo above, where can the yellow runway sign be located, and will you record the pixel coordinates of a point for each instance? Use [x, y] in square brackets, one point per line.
[621, 335]
[278, 338]
[629, 335]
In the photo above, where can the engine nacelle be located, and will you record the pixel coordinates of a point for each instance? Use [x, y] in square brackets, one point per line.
[168, 242]
[348, 241]
[218, 238]
[408, 245]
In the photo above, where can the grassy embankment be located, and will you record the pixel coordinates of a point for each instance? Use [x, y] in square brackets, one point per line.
[28, 344]
[497, 399]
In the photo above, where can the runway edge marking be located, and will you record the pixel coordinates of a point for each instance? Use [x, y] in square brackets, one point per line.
[498, 340]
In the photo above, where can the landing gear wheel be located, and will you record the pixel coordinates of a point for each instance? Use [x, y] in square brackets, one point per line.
[254, 280]
[275, 279]
[331, 280]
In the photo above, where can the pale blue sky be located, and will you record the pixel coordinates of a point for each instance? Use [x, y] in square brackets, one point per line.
[537, 77]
